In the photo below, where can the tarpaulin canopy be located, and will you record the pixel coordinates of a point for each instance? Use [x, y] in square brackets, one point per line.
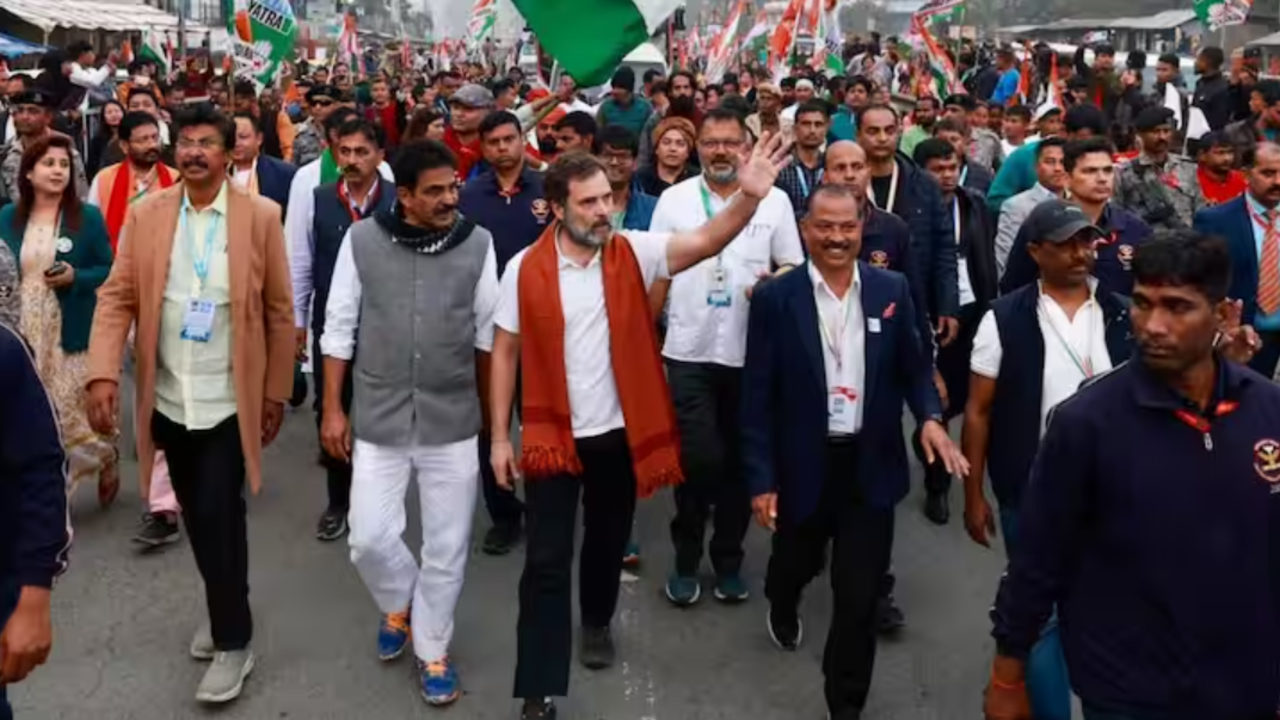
[13, 47]
[93, 15]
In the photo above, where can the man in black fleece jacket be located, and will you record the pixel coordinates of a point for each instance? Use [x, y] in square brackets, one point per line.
[34, 528]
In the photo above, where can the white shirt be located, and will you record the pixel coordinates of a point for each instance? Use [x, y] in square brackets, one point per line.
[194, 384]
[342, 313]
[86, 78]
[967, 297]
[299, 240]
[697, 330]
[588, 364]
[1085, 334]
[848, 370]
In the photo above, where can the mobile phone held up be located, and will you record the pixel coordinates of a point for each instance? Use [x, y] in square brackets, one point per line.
[56, 269]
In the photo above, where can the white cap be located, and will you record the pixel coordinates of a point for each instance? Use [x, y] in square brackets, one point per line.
[804, 84]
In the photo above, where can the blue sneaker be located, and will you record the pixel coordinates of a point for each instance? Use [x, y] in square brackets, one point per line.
[631, 556]
[393, 635]
[439, 682]
[683, 591]
[730, 589]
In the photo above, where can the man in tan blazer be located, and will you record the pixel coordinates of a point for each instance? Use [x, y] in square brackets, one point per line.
[204, 276]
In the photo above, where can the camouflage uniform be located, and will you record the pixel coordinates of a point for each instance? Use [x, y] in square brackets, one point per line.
[11, 162]
[306, 144]
[1167, 197]
[9, 298]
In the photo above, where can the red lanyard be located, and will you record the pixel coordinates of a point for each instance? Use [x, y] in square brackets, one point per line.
[1200, 422]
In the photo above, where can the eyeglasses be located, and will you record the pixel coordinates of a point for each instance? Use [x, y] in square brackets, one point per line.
[720, 144]
[205, 144]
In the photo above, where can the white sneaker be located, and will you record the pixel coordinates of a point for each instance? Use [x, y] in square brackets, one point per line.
[224, 679]
[202, 647]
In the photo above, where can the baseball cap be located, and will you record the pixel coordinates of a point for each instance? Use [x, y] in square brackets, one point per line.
[34, 97]
[319, 91]
[1057, 221]
[472, 96]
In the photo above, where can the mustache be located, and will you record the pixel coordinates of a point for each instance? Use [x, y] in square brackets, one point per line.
[195, 163]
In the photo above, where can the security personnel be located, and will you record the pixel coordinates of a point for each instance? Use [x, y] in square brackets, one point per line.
[507, 200]
[1090, 182]
[1166, 584]
[1158, 186]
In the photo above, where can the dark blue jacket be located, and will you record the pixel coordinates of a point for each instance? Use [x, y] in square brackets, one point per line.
[784, 392]
[274, 178]
[1231, 222]
[978, 178]
[515, 220]
[640, 207]
[933, 239]
[1015, 409]
[886, 244]
[1115, 255]
[329, 225]
[34, 526]
[1158, 543]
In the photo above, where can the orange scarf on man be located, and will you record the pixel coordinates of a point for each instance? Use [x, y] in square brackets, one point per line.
[123, 193]
[548, 445]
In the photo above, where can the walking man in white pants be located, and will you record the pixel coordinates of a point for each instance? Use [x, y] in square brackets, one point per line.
[414, 287]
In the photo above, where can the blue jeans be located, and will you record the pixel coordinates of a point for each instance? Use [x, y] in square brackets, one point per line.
[1047, 682]
[8, 600]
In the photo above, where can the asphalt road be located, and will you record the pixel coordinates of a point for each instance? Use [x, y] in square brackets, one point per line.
[123, 622]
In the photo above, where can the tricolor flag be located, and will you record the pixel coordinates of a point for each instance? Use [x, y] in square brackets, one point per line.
[484, 15]
[725, 47]
[349, 43]
[937, 9]
[784, 35]
[942, 71]
[156, 49]
[828, 57]
[590, 37]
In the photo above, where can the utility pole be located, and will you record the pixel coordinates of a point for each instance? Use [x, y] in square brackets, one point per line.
[182, 31]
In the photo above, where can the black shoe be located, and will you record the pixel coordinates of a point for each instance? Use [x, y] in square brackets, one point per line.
[937, 508]
[501, 538]
[157, 530]
[889, 617]
[785, 628]
[596, 651]
[332, 525]
[538, 709]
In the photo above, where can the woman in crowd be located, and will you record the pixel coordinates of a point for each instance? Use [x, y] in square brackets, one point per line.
[673, 140]
[105, 149]
[425, 124]
[63, 256]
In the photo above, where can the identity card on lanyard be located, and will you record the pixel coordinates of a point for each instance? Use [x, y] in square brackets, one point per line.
[893, 191]
[197, 321]
[718, 294]
[842, 401]
[804, 181]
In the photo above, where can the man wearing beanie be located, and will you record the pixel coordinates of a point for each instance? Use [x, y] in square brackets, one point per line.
[623, 107]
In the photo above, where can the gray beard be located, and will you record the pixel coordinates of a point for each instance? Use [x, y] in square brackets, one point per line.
[723, 178]
[583, 238]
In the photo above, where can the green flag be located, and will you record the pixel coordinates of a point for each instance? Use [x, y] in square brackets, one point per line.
[1215, 14]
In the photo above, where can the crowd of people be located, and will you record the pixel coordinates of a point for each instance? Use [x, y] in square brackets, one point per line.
[727, 290]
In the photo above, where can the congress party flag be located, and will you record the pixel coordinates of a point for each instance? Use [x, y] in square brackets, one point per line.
[590, 37]
[262, 34]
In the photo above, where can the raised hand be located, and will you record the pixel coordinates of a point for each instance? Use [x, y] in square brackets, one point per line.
[769, 156]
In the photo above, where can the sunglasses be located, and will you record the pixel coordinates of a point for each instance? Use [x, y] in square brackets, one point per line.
[321, 102]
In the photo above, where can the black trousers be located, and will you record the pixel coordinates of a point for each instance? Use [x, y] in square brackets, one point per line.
[207, 471]
[504, 506]
[953, 366]
[706, 399]
[337, 472]
[544, 635]
[861, 537]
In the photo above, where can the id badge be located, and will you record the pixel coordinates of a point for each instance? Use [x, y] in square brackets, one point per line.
[841, 403]
[197, 321]
[718, 295]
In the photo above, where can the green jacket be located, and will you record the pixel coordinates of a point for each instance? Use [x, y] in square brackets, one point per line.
[90, 255]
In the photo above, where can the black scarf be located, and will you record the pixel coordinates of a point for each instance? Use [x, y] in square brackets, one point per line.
[420, 239]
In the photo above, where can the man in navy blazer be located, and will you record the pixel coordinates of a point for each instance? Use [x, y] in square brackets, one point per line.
[255, 172]
[833, 351]
[1242, 223]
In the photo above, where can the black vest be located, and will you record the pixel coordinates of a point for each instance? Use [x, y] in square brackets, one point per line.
[329, 224]
[1015, 411]
[271, 137]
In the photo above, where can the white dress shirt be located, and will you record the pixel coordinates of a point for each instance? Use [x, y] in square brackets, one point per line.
[299, 240]
[1074, 349]
[194, 384]
[342, 313]
[842, 326]
[87, 78]
[593, 393]
[699, 331]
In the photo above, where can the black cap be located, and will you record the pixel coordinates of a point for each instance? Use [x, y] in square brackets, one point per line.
[34, 97]
[317, 91]
[1152, 117]
[1253, 51]
[1057, 221]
